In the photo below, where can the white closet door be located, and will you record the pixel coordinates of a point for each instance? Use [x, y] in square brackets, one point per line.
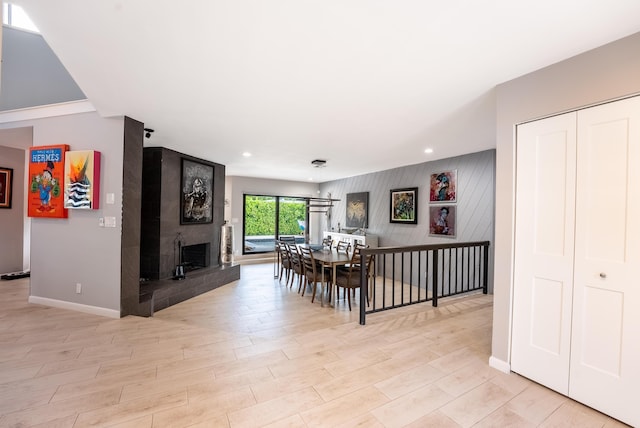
[605, 355]
[543, 275]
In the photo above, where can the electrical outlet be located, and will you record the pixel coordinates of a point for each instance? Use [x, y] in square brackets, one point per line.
[78, 288]
[101, 222]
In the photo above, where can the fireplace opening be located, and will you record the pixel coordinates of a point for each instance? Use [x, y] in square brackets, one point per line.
[196, 256]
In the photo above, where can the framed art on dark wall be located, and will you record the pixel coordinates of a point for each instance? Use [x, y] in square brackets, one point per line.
[6, 187]
[196, 193]
[404, 206]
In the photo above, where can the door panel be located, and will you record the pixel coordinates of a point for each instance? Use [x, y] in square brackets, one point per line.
[602, 335]
[543, 275]
[605, 373]
[604, 177]
[546, 315]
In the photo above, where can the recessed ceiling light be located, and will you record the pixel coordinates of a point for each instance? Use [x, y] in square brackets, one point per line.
[428, 150]
[246, 154]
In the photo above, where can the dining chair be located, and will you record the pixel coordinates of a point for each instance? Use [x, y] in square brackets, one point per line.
[349, 279]
[312, 272]
[287, 239]
[285, 261]
[296, 265]
[357, 246]
[343, 247]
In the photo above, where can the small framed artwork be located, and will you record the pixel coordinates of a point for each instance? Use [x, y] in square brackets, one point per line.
[404, 206]
[82, 180]
[196, 193]
[357, 210]
[6, 187]
[442, 220]
[443, 186]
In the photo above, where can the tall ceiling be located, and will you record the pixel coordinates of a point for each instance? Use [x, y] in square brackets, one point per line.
[366, 85]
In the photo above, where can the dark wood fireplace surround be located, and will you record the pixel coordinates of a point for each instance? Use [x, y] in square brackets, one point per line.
[158, 206]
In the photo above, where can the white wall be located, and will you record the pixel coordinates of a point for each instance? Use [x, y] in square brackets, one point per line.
[76, 250]
[12, 219]
[605, 73]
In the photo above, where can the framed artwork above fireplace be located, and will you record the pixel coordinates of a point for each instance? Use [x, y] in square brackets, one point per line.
[196, 193]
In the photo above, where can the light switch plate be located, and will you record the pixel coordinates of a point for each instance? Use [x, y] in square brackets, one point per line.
[109, 222]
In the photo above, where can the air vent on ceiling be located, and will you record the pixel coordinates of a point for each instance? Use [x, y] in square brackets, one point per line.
[318, 163]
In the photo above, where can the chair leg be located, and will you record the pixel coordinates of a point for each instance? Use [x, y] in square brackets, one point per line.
[313, 296]
[293, 279]
[302, 287]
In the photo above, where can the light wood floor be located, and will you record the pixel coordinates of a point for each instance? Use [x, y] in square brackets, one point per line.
[256, 354]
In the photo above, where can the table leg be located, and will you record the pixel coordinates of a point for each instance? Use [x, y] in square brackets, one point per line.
[322, 266]
[333, 283]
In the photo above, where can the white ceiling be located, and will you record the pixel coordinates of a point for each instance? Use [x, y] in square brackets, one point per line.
[365, 84]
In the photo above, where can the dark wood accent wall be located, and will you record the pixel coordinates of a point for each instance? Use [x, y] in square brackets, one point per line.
[131, 193]
[161, 200]
[150, 223]
[150, 213]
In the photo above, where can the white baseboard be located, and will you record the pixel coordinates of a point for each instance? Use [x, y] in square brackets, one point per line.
[61, 304]
[497, 364]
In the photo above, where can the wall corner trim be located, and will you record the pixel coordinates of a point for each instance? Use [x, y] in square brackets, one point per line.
[52, 110]
[497, 364]
[61, 304]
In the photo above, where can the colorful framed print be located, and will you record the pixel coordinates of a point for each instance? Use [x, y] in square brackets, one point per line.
[443, 187]
[46, 177]
[442, 220]
[82, 180]
[196, 193]
[6, 187]
[358, 210]
[404, 206]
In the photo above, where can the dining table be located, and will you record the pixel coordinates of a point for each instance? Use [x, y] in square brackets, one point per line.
[332, 259]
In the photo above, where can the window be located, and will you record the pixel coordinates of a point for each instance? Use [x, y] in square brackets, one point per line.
[15, 16]
[268, 217]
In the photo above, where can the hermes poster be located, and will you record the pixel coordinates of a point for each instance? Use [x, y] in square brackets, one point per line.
[45, 196]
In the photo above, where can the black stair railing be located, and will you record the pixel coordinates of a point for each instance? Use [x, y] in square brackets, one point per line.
[402, 276]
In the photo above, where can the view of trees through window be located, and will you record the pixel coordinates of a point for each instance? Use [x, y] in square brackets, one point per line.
[266, 217]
